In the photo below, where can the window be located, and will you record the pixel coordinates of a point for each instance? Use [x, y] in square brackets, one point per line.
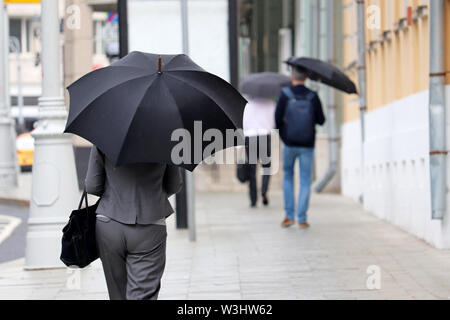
[15, 29]
[28, 33]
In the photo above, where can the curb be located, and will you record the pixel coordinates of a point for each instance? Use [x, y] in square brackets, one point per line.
[16, 202]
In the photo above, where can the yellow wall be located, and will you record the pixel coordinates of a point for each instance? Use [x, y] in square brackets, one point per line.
[397, 68]
[447, 40]
[350, 109]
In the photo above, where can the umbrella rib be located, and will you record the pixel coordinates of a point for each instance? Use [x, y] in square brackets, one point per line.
[94, 71]
[175, 58]
[175, 102]
[100, 95]
[190, 85]
[134, 67]
[133, 117]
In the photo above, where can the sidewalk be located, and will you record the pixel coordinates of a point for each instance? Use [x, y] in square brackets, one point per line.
[19, 195]
[242, 253]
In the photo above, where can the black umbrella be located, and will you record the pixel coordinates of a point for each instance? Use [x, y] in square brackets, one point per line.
[130, 109]
[264, 84]
[319, 70]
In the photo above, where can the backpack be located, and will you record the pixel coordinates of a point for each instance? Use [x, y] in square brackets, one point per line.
[299, 122]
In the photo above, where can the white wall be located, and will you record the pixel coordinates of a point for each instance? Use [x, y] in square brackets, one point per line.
[155, 27]
[396, 181]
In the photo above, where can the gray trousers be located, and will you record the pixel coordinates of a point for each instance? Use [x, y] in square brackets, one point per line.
[133, 258]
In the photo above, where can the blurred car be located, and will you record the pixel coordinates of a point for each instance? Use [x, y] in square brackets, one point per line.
[25, 151]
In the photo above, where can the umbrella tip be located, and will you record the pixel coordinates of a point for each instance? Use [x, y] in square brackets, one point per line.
[159, 65]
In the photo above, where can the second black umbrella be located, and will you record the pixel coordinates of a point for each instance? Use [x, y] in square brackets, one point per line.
[264, 84]
[324, 72]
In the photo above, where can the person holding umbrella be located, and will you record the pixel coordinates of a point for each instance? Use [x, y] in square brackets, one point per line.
[131, 228]
[261, 89]
[297, 113]
[130, 111]
[258, 122]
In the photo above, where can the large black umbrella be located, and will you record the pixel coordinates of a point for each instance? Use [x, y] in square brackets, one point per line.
[324, 72]
[264, 84]
[130, 109]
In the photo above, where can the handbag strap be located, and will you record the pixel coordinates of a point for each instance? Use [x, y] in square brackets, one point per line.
[85, 198]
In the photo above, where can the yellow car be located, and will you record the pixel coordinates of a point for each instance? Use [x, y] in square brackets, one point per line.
[25, 151]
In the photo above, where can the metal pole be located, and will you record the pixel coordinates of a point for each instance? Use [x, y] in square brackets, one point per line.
[8, 163]
[305, 28]
[233, 39]
[15, 46]
[333, 148]
[315, 29]
[438, 144]
[189, 176]
[360, 8]
[19, 93]
[315, 53]
[122, 10]
[54, 191]
[190, 196]
[184, 26]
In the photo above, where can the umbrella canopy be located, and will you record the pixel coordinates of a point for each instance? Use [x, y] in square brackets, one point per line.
[264, 84]
[130, 109]
[319, 70]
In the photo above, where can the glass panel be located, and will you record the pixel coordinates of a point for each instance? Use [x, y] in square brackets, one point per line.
[15, 29]
[28, 32]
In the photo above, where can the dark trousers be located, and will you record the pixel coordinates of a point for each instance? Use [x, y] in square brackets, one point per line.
[133, 258]
[258, 149]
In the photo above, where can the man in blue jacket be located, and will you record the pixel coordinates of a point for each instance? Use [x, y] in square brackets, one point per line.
[297, 113]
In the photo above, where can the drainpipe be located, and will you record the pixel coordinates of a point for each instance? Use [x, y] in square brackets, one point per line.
[438, 150]
[331, 114]
[315, 29]
[361, 63]
[314, 44]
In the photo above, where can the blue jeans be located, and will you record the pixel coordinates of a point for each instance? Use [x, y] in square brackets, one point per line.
[306, 159]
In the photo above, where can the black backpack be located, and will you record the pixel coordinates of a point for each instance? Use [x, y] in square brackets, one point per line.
[299, 122]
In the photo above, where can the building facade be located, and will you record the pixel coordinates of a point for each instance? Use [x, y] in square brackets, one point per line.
[395, 181]
[84, 38]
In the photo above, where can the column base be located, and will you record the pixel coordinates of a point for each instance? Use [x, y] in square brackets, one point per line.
[55, 192]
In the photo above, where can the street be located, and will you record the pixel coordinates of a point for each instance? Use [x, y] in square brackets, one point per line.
[12, 242]
[242, 253]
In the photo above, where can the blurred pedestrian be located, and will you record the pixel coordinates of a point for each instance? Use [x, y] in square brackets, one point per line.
[298, 111]
[258, 122]
[131, 228]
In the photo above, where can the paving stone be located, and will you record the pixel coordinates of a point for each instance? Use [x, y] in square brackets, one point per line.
[244, 254]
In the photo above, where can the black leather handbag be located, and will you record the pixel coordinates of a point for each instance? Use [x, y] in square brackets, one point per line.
[79, 247]
[243, 172]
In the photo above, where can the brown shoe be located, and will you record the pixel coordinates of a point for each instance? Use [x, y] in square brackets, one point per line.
[304, 225]
[287, 223]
